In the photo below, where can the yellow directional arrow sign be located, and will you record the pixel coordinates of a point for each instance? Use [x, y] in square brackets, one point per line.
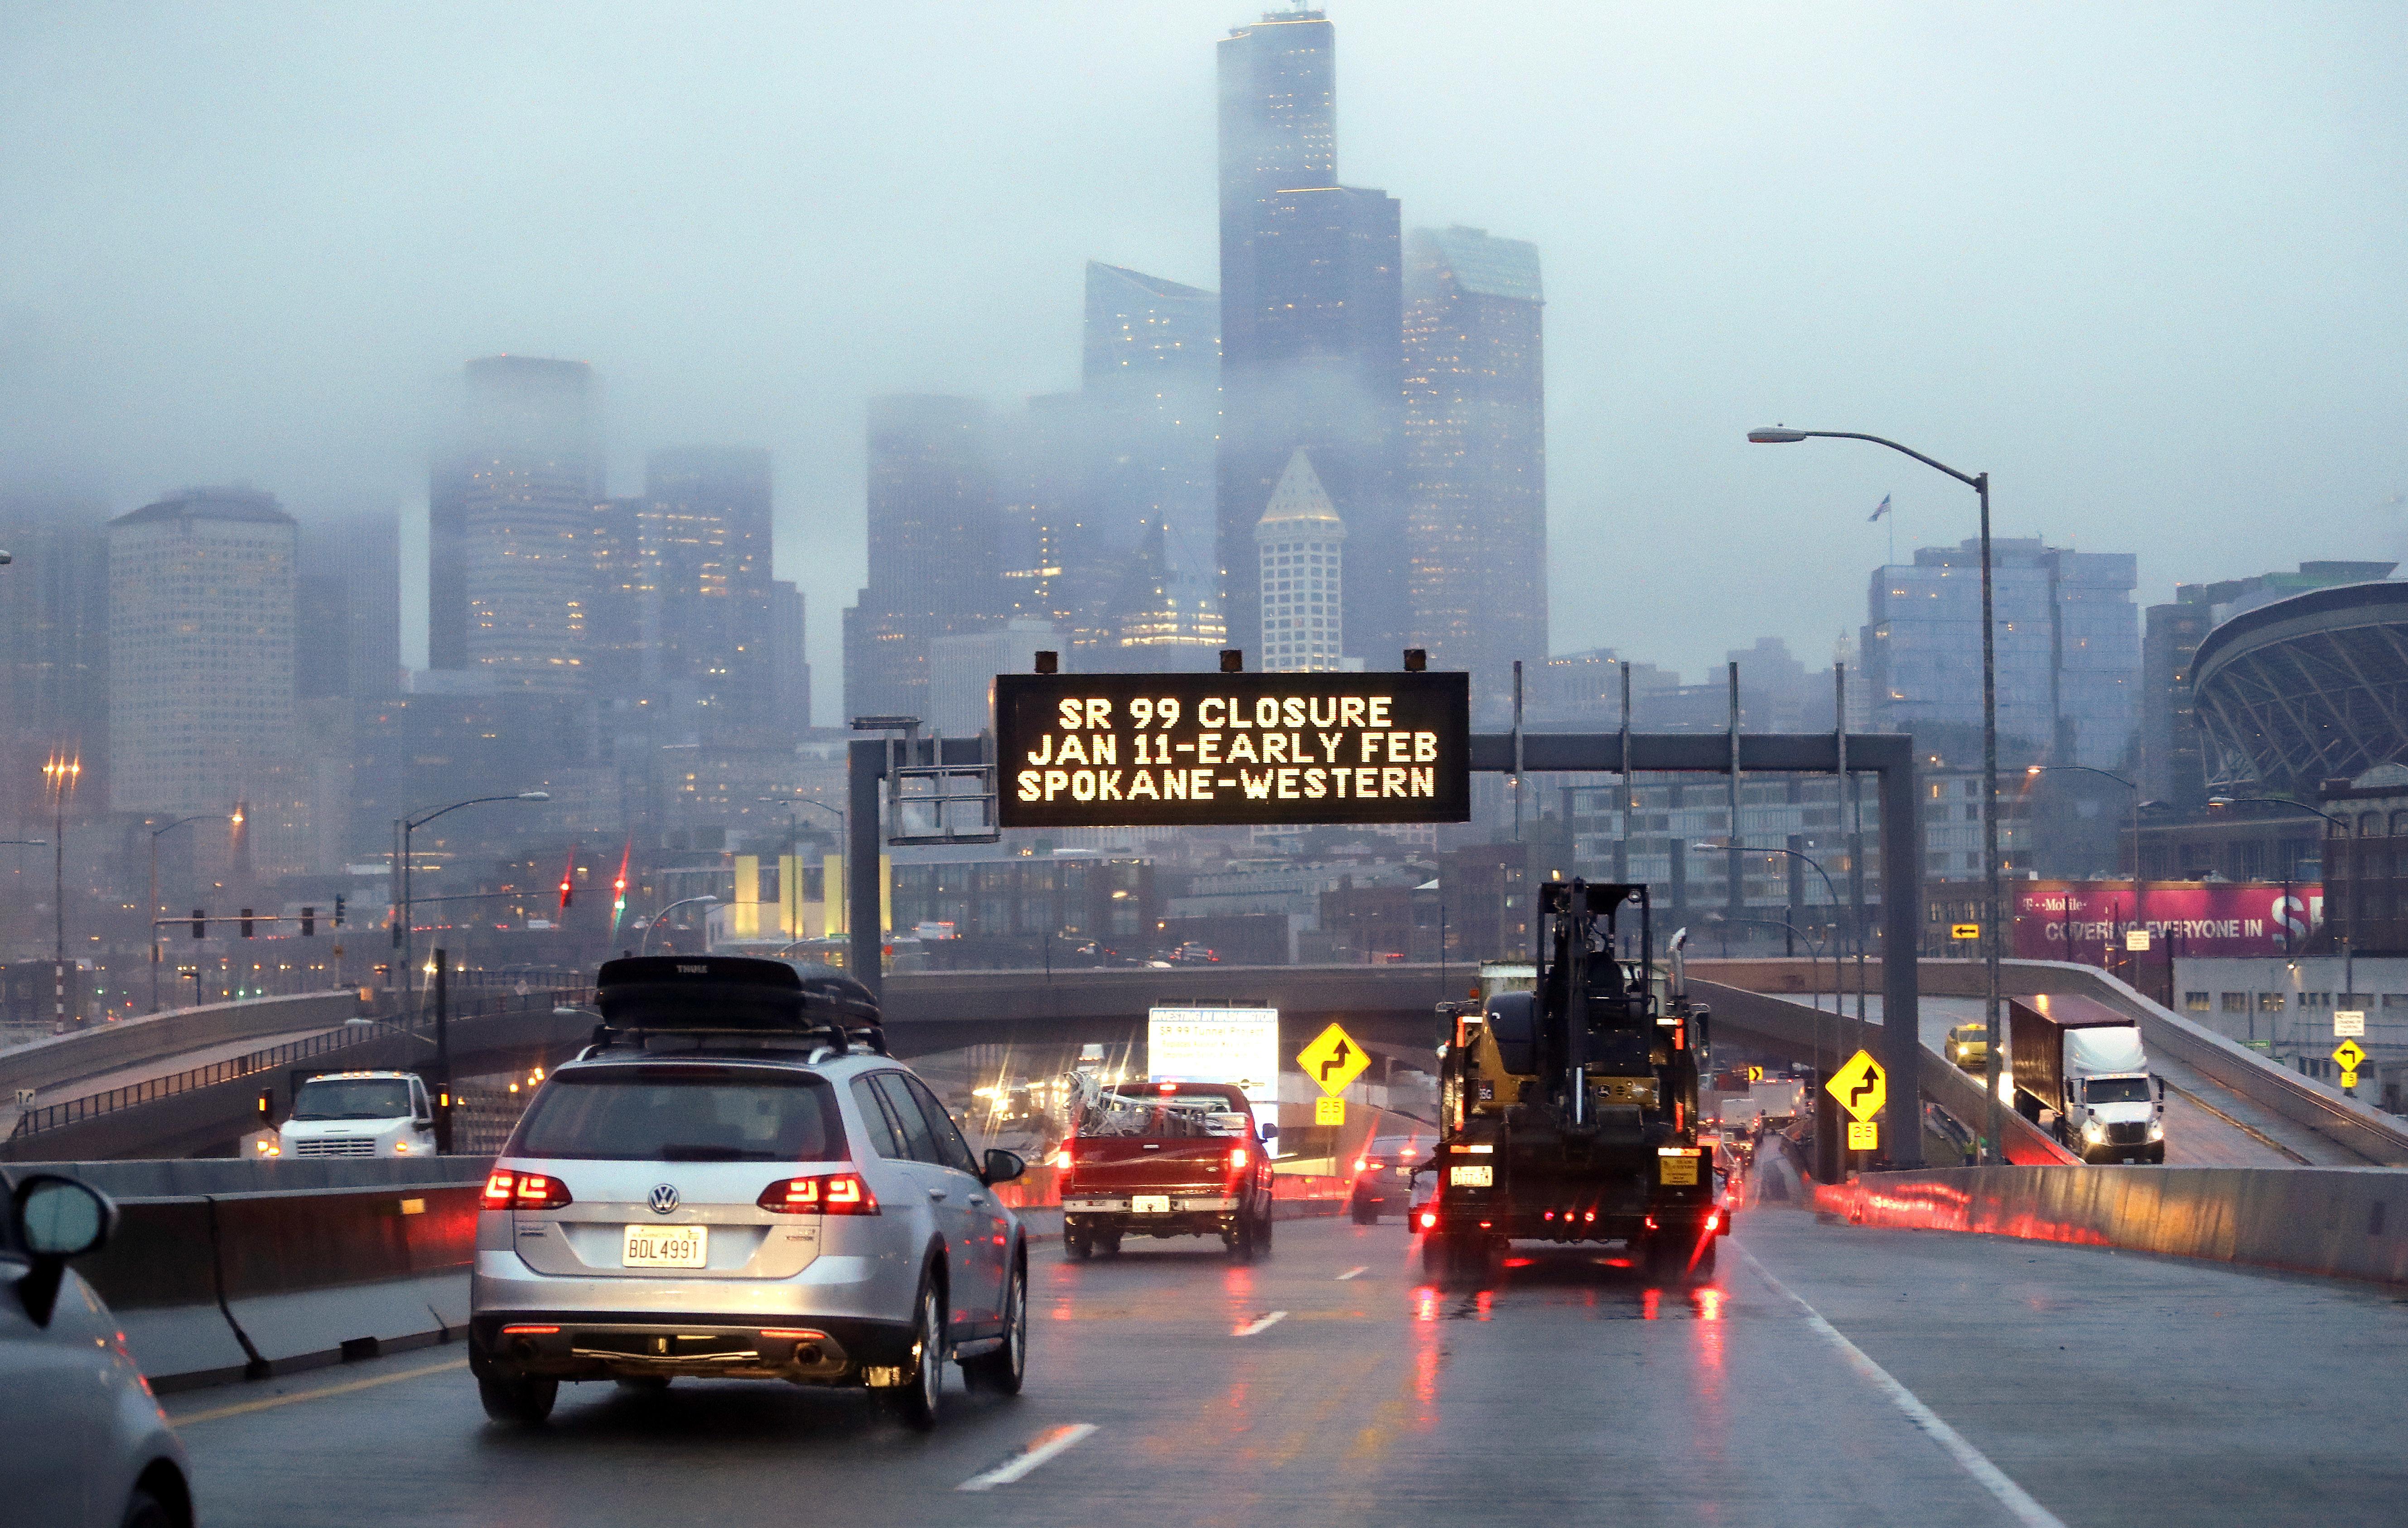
[2350, 1055]
[1861, 1086]
[1333, 1059]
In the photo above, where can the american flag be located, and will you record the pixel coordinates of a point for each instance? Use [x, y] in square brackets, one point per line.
[1880, 510]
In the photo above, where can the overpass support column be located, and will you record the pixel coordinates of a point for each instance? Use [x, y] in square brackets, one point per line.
[1901, 841]
[866, 765]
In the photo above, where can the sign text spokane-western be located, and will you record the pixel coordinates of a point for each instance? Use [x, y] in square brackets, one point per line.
[1102, 749]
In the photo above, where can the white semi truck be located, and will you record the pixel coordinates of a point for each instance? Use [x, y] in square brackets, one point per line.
[2080, 1069]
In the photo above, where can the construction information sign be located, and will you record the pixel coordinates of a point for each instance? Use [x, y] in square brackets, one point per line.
[1216, 1045]
[1078, 750]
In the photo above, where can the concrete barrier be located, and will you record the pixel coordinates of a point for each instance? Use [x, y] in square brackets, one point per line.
[2348, 1222]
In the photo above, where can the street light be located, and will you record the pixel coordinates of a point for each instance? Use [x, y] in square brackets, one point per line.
[1829, 889]
[402, 934]
[61, 774]
[1980, 483]
[155, 951]
[646, 942]
[2140, 892]
[2348, 976]
[844, 847]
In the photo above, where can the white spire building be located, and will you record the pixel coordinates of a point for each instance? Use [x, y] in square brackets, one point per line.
[1299, 543]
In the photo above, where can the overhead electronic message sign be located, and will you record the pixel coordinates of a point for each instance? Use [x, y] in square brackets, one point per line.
[1077, 751]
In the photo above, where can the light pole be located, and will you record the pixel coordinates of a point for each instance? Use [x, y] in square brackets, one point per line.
[155, 951]
[401, 881]
[2140, 892]
[2219, 803]
[790, 802]
[1980, 483]
[646, 942]
[61, 775]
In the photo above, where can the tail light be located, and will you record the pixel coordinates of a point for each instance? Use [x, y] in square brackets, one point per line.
[830, 1193]
[1714, 1219]
[1429, 1218]
[1237, 1158]
[510, 1189]
[1361, 1163]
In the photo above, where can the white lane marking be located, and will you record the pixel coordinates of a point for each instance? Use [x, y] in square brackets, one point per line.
[1976, 1463]
[1354, 1273]
[1260, 1323]
[1044, 1446]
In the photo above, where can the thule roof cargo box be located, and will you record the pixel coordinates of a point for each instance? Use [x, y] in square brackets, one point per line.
[734, 994]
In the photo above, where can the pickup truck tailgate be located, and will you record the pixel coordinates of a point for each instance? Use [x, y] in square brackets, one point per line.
[1115, 1166]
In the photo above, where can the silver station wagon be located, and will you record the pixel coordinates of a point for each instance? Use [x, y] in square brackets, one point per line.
[735, 1181]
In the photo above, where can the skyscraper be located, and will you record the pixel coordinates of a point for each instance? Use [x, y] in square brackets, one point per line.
[684, 591]
[790, 669]
[1311, 324]
[511, 522]
[934, 568]
[1299, 548]
[53, 648]
[1476, 455]
[347, 624]
[2067, 648]
[200, 650]
[1151, 384]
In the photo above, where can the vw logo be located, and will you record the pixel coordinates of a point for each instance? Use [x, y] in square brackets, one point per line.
[664, 1199]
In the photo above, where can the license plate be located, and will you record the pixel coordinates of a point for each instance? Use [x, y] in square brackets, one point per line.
[1149, 1204]
[1476, 1175]
[665, 1247]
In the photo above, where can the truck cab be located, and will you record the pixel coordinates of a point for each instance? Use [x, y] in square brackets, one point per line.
[359, 1114]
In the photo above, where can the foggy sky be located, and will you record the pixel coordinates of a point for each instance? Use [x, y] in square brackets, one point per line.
[2144, 264]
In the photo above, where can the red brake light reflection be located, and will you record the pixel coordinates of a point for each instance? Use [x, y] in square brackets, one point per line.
[831, 1194]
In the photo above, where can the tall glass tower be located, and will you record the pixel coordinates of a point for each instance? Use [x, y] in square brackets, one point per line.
[1312, 325]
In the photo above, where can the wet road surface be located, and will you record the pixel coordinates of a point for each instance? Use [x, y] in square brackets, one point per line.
[1332, 1384]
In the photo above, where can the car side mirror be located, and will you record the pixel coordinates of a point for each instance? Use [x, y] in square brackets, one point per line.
[1268, 1134]
[1002, 1166]
[56, 1219]
[421, 1120]
[2162, 1088]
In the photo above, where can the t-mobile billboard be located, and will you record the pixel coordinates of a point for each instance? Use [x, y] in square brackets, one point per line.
[2079, 920]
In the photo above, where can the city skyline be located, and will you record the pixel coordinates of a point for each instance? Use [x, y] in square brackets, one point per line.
[1695, 287]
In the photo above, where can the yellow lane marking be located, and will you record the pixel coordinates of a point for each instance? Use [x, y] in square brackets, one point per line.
[216, 1412]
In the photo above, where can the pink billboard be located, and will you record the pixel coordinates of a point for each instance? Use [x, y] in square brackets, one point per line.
[2081, 920]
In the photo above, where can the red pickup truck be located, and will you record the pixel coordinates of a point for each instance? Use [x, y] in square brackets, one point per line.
[1165, 1159]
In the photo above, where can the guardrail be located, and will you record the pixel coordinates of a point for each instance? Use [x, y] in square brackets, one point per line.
[41, 1117]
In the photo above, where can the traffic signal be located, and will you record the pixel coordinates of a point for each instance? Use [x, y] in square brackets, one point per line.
[338, 909]
[266, 1109]
[246, 922]
[308, 922]
[200, 924]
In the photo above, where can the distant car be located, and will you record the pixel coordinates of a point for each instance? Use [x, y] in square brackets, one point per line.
[87, 1444]
[1192, 953]
[736, 1181]
[1968, 1047]
[1383, 1178]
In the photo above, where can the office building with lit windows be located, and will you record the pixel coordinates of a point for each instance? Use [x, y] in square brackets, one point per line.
[934, 563]
[2068, 645]
[1476, 456]
[1299, 547]
[200, 650]
[1311, 324]
[511, 522]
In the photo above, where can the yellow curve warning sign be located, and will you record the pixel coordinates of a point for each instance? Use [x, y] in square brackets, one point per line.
[1861, 1086]
[1333, 1059]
